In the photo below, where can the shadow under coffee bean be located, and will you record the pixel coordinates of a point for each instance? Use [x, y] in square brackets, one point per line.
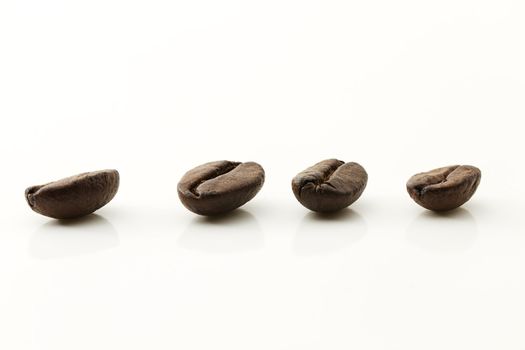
[329, 185]
[74, 196]
[219, 187]
[444, 188]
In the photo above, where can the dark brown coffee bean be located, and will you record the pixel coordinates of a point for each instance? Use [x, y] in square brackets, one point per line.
[444, 188]
[219, 187]
[74, 196]
[329, 185]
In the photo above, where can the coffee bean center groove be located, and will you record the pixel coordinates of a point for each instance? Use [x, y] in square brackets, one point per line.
[324, 179]
[221, 171]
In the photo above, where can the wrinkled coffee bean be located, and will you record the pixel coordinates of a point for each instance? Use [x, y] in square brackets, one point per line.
[329, 185]
[444, 188]
[74, 196]
[219, 187]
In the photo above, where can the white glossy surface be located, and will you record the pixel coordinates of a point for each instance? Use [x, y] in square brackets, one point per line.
[155, 88]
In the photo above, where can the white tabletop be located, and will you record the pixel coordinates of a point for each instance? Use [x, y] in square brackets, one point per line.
[155, 88]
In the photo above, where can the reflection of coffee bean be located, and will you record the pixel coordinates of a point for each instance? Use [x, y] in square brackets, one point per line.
[219, 187]
[74, 196]
[444, 188]
[329, 185]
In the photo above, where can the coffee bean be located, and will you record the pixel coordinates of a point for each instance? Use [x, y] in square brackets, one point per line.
[74, 196]
[444, 188]
[329, 185]
[219, 187]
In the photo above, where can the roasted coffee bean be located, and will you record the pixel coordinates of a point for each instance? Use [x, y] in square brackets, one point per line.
[74, 196]
[329, 185]
[219, 187]
[444, 188]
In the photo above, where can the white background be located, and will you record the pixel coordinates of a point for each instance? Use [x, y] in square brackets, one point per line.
[154, 88]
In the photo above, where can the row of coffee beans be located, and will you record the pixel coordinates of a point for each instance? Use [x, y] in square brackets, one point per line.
[222, 186]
